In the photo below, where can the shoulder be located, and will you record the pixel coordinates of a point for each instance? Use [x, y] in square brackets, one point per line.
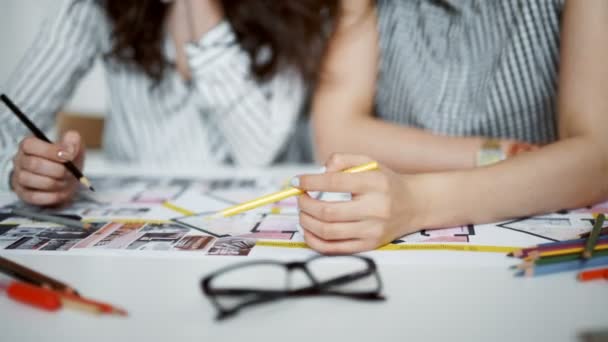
[78, 16]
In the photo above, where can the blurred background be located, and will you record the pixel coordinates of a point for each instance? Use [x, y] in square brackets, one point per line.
[20, 21]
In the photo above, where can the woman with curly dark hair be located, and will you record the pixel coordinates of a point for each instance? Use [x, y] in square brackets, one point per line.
[195, 82]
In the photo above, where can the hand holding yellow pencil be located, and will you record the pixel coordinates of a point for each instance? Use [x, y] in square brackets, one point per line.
[283, 194]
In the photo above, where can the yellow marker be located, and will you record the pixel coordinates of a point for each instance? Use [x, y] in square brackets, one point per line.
[281, 195]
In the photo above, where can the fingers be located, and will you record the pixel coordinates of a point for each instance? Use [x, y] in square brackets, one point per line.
[343, 182]
[333, 231]
[332, 211]
[72, 142]
[32, 146]
[40, 166]
[335, 247]
[341, 161]
[31, 180]
[42, 198]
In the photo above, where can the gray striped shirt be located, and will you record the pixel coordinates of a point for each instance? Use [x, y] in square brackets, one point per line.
[470, 67]
[221, 116]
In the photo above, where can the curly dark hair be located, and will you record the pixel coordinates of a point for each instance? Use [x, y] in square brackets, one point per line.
[294, 32]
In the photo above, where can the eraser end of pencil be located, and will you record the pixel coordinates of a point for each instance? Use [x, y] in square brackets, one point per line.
[586, 255]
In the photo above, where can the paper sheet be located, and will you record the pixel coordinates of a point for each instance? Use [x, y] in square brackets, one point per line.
[169, 215]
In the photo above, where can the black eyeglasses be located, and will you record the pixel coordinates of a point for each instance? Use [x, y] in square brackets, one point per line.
[246, 284]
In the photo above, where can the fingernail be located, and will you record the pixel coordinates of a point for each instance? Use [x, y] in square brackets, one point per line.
[295, 182]
[323, 169]
[68, 148]
[64, 155]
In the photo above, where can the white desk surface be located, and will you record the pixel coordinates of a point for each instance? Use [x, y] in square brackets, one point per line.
[425, 302]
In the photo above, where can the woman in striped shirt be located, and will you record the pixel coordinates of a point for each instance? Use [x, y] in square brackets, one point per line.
[191, 82]
[434, 80]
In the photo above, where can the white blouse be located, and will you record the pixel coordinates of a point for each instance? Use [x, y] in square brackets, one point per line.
[222, 116]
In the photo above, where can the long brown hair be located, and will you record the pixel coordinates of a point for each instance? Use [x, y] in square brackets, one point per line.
[293, 32]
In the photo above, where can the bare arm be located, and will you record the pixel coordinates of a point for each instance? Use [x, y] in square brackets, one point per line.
[569, 173]
[343, 106]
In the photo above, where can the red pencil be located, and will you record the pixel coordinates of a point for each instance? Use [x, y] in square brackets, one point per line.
[601, 273]
[51, 300]
[33, 295]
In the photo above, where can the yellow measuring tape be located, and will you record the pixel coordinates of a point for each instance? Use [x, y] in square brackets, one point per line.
[404, 247]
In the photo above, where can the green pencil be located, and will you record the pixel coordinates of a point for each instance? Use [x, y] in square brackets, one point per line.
[555, 260]
[568, 257]
[595, 233]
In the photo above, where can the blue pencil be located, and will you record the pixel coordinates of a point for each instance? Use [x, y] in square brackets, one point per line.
[574, 265]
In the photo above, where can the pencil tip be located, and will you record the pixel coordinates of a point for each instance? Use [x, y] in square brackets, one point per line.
[86, 182]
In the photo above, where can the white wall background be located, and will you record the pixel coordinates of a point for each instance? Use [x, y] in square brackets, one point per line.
[19, 23]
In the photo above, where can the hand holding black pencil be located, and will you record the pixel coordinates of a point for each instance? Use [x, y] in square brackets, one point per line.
[40, 135]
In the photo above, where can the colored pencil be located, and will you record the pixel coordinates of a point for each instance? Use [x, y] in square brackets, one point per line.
[90, 305]
[593, 237]
[51, 300]
[51, 218]
[573, 265]
[557, 259]
[28, 275]
[281, 195]
[600, 273]
[40, 135]
[555, 246]
[539, 254]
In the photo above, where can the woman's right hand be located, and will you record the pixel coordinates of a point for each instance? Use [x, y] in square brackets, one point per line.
[39, 176]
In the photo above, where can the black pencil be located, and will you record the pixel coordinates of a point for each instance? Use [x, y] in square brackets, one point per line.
[28, 275]
[38, 133]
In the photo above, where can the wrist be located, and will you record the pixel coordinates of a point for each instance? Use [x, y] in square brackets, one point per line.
[490, 152]
[419, 194]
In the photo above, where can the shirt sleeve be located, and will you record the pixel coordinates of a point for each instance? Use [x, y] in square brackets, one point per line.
[45, 78]
[254, 121]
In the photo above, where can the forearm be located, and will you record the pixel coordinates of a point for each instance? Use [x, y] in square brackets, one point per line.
[404, 149]
[253, 119]
[257, 127]
[567, 174]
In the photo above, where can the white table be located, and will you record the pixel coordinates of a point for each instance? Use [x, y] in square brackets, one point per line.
[425, 302]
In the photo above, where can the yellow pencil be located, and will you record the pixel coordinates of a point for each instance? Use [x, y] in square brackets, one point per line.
[281, 195]
[535, 255]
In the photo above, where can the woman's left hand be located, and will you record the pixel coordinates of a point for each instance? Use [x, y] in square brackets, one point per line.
[382, 207]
